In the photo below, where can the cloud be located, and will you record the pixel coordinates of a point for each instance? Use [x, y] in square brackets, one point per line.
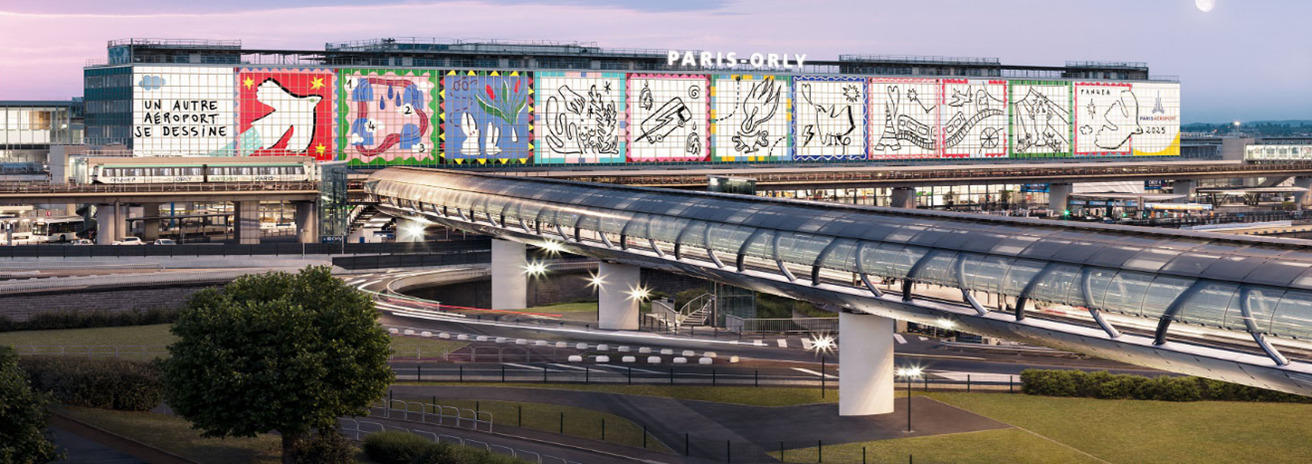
[149, 82]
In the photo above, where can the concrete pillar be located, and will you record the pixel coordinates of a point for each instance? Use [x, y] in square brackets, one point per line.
[1059, 197]
[246, 222]
[509, 281]
[865, 352]
[617, 309]
[903, 197]
[1187, 187]
[150, 227]
[107, 218]
[1301, 199]
[307, 221]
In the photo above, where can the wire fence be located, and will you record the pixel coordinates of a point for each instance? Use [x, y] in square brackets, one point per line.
[808, 325]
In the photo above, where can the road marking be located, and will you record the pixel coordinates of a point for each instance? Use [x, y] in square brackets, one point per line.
[973, 376]
[522, 366]
[806, 344]
[923, 339]
[817, 374]
[783, 343]
[577, 368]
[899, 339]
[758, 342]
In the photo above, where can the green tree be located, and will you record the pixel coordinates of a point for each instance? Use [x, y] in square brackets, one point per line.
[23, 416]
[276, 352]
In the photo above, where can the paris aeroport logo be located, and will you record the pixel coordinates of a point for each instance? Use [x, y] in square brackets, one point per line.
[704, 59]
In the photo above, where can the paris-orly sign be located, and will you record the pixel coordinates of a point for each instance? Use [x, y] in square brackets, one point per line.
[705, 59]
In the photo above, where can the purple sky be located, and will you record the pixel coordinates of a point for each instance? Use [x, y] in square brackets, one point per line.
[1244, 60]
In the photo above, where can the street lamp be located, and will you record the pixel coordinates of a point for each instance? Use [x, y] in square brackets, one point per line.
[535, 269]
[910, 373]
[552, 248]
[822, 345]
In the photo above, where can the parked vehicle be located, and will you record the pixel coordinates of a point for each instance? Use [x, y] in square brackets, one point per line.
[129, 241]
[165, 241]
[82, 241]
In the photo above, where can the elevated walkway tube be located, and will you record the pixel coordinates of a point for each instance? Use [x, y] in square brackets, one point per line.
[1134, 273]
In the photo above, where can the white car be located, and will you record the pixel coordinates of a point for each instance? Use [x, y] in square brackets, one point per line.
[165, 241]
[129, 241]
[81, 241]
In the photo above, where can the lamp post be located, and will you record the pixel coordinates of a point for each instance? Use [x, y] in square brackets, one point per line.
[535, 269]
[910, 373]
[822, 345]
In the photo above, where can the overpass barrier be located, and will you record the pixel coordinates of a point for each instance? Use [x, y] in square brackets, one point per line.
[276, 249]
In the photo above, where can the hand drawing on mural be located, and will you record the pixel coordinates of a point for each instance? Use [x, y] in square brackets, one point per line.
[1113, 116]
[403, 104]
[585, 125]
[1042, 125]
[834, 123]
[292, 118]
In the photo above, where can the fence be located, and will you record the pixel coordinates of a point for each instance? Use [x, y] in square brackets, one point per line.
[357, 429]
[142, 352]
[94, 251]
[741, 325]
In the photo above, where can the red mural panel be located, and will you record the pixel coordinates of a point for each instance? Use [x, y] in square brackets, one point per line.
[286, 112]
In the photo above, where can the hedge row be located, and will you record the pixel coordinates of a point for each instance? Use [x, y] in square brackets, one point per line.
[394, 447]
[96, 383]
[88, 319]
[1071, 383]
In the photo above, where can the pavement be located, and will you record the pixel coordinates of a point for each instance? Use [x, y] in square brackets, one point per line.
[79, 449]
[713, 429]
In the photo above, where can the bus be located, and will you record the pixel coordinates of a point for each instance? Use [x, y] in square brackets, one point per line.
[59, 229]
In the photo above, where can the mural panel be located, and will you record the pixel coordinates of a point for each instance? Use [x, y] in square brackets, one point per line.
[182, 111]
[1040, 119]
[487, 117]
[904, 118]
[286, 111]
[1107, 116]
[830, 118]
[751, 118]
[974, 118]
[1159, 119]
[581, 119]
[669, 117]
[387, 117]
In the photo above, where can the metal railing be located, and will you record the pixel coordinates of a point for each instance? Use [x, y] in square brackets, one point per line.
[277, 249]
[143, 352]
[40, 188]
[742, 325]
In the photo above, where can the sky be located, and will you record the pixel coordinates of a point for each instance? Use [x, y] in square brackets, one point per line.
[1244, 60]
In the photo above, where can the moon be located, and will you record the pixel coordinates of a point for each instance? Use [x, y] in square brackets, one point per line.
[1205, 5]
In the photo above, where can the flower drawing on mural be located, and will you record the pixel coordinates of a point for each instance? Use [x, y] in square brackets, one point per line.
[487, 117]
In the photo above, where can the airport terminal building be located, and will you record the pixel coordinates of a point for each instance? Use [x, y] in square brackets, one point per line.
[427, 102]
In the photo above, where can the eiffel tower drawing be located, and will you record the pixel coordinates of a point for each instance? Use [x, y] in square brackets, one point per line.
[1157, 107]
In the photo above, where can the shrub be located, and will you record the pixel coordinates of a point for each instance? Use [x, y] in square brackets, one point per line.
[327, 447]
[88, 319]
[96, 383]
[395, 447]
[403, 448]
[1125, 386]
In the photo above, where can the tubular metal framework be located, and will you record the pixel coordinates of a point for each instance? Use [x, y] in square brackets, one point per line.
[1216, 285]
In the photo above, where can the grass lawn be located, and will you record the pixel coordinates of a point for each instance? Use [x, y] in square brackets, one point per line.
[579, 422]
[175, 435]
[157, 336]
[1014, 446]
[1155, 431]
[763, 396]
[581, 307]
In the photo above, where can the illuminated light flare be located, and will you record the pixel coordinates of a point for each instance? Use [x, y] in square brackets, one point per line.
[911, 372]
[535, 269]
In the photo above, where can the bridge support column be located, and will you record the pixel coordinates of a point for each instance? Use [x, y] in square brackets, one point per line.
[617, 308]
[903, 197]
[1301, 199]
[1186, 187]
[307, 221]
[1059, 197]
[108, 218]
[150, 227]
[246, 222]
[509, 281]
[865, 349]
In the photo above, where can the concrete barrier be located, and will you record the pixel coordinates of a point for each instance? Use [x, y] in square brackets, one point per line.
[710, 354]
[602, 359]
[574, 358]
[628, 359]
[623, 349]
[644, 350]
[681, 360]
[689, 353]
[653, 360]
[705, 361]
[603, 347]
[426, 334]
[667, 352]
[581, 346]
